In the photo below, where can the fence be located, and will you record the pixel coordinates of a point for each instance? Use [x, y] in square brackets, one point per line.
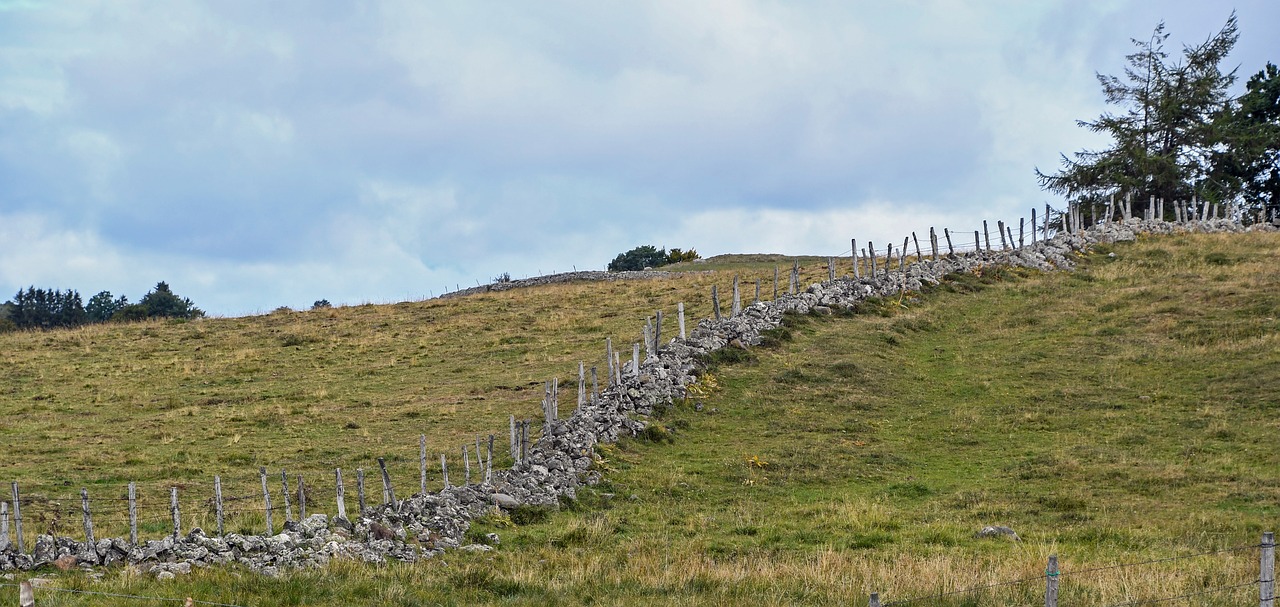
[1054, 578]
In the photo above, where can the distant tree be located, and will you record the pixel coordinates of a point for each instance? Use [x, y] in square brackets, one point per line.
[677, 255]
[320, 304]
[47, 309]
[1249, 161]
[639, 258]
[160, 302]
[102, 307]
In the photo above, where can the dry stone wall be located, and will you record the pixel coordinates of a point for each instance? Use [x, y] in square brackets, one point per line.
[561, 460]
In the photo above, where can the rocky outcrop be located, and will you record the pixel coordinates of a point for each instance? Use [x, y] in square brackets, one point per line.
[562, 459]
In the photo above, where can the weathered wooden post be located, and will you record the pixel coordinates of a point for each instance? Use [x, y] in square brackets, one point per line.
[341, 493]
[1033, 225]
[4, 525]
[173, 508]
[657, 330]
[1000, 228]
[1021, 233]
[1267, 572]
[488, 463]
[871, 255]
[680, 313]
[88, 518]
[608, 357]
[582, 386]
[1009, 232]
[648, 338]
[919, 256]
[217, 502]
[1046, 221]
[933, 243]
[302, 499]
[795, 277]
[284, 492]
[17, 517]
[857, 273]
[524, 436]
[737, 298]
[386, 485]
[466, 467]
[515, 448]
[266, 500]
[595, 390]
[360, 501]
[831, 268]
[986, 233]
[444, 469]
[715, 302]
[775, 283]
[977, 242]
[875, 599]
[1051, 582]
[951, 249]
[635, 360]
[422, 464]
[757, 299]
[133, 514]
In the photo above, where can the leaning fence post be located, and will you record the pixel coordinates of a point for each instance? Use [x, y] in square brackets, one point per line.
[951, 250]
[88, 519]
[360, 489]
[17, 516]
[284, 485]
[133, 514]
[919, 257]
[524, 438]
[1267, 572]
[217, 501]
[386, 484]
[875, 599]
[1051, 582]
[266, 499]
[775, 283]
[340, 490]
[1004, 244]
[173, 508]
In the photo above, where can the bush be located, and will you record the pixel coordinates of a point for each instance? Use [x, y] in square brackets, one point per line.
[320, 304]
[677, 256]
[639, 258]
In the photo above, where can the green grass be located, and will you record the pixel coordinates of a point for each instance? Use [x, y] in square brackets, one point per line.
[1118, 414]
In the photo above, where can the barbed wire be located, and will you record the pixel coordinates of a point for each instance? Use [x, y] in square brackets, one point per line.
[1185, 596]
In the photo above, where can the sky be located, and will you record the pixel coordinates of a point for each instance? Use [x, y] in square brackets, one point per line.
[263, 154]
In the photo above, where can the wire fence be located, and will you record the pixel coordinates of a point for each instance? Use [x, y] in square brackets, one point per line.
[33, 589]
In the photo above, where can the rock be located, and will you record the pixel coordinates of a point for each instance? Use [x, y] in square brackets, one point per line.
[165, 575]
[997, 531]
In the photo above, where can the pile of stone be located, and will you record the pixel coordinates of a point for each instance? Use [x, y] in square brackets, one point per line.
[563, 457]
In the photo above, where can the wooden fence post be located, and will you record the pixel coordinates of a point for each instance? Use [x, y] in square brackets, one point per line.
[1051, 582]
[1009, 231]
[360, 490]
[986, 233]
[26, 596]
[648, 337]
[933, 243]
[831, 268]
[875, 599]
[340, 490]
[217, 502]
[680, 315]
[715, 302]
[133, 514]
[444, 469]
[17, 517]
[1267, 572]
[871, 255]
[88, 518]
[775, 283]
[582, 386]
[524, 436]
[608, 358]
[1046, 221]
[617, 368]
[173, 508]
[595, 390]
[635, 360]
[919, 256]
[422, 464]
[302, 499]
[657, 330]
[284, 492]
[857, 273]
[488, 463]
[266, 500]
[386, 484]
[977, 242]
[4, 525]
[1033, 225]
[737, 299]
[515, 448]
[466, 467]
[1021, 232]
[757, 299]
[1004, 245]
[951, 249]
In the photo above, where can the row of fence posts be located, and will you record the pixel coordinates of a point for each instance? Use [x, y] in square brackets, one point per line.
[1266, 579]
[1079, 216]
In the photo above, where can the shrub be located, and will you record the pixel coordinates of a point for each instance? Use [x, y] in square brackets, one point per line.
[320, 304]
[639, 258]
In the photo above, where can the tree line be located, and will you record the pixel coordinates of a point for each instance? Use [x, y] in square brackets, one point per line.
[1180, 134]
[33, 308]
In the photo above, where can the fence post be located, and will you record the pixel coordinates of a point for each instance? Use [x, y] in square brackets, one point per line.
[635, 360]
[266, 500]
[524, 436]
[302, 499]
[17, 516]
[360, 489]
[933, 243]
[1033, 225]
[1051, 582]
[582, 387]
[88, 519]
[1022, 232]
[422, 464]
[386, 484]
[871, 254]
[1046, 221]
[775, 283]
[340, 490]
[795, 277]
[444, 469]
[1267, 573]
[875, 599]
[857, 274]
[986, 234]
[26, 597]
[515, 448]
[680, 314]
[4, 525]
[466, 466]
[133, 514]
[1000, 227]
[173, 508]
[919, 256]
[657, 331]
[1009, 230]
[595, 392]
[488, 463]
[608, 358]
[284, 491]
[217, 501]
[831, 268]
[951, 250]
[737, 299]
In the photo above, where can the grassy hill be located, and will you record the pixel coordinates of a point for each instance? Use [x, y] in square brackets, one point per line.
[1122, 413]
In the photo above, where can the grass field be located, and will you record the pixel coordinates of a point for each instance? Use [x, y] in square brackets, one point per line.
[1118, 414]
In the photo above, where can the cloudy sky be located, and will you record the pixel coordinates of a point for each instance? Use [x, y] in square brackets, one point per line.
[260, 154]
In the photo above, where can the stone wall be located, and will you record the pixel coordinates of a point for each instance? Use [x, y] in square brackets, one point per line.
[561, 460]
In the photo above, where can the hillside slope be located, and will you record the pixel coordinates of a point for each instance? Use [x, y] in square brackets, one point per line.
[1119, 413]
